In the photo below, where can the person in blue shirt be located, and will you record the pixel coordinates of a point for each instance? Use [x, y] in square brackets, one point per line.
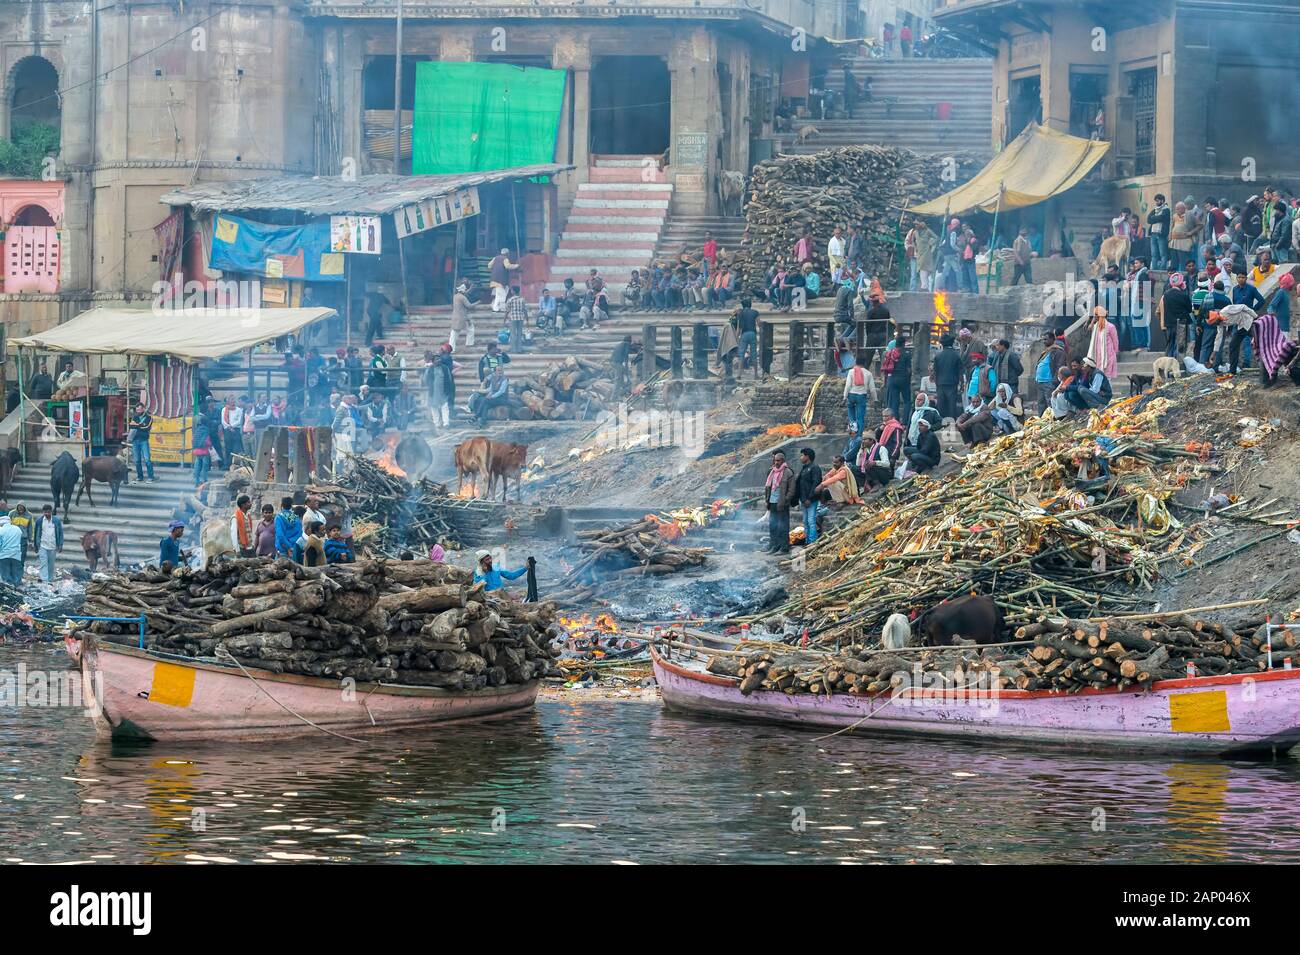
[338, 549]
[288, 529]
[492, 578]
[170, 555]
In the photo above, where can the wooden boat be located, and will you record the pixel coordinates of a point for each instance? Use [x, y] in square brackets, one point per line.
[141, 694]
[1212, 715]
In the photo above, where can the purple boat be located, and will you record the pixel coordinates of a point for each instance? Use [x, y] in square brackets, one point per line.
[1237, 714]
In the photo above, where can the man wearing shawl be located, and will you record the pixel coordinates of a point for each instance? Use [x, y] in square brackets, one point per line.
[779, 492]
[840, 483]
[1103, 345]
[877, 464]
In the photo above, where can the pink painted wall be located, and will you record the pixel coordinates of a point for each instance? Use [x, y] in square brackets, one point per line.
[31, 252]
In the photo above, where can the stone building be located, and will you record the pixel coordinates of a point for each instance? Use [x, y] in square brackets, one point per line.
[151, 95]
[1195, 95]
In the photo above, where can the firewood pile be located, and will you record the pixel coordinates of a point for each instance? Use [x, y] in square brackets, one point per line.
[648, 547]
[389, 514]
[1066, 518]
[1057, 654]
[413, 622]
[867, 186]
[571, 390]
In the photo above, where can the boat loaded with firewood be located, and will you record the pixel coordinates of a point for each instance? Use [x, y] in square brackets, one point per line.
[1173, 685]
[261, 648]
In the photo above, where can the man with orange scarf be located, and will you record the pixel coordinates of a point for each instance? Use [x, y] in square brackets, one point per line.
[779, 492]
[241, 527]
[877, 465]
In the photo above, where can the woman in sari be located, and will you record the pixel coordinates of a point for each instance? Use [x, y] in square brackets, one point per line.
[1007, 411]
[924, 409]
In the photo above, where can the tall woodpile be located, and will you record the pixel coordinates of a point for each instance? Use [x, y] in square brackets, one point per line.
[389, 513]
[412, 622]
[866, 186]
[571, 390]
[1056, 654]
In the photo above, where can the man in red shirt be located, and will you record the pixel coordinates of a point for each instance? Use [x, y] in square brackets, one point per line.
[710, 252]
[905, 40]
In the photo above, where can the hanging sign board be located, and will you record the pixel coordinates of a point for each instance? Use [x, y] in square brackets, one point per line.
[355, 234]
[431, 213]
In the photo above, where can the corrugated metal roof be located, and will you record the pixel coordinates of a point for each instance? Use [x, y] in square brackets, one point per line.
[333, 195]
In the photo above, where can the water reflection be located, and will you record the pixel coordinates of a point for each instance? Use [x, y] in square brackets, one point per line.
[606, 782]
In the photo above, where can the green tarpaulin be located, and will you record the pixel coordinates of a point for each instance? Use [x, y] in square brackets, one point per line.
[476, 116]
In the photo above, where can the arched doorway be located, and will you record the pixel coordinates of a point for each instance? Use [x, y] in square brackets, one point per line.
[630, 106]
[33, 215]
[34, 93]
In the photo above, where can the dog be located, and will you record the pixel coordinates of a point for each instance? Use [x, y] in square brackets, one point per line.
[1137, 384]
[1165, 369]
[808, 131]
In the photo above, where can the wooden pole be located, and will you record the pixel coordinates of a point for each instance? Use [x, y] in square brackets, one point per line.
[397, 104]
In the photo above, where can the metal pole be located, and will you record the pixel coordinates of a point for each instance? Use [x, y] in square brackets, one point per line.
[397, 97]
[988, 276]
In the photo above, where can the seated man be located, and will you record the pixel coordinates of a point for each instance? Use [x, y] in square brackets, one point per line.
[877, 464]
[841, 483]
[494, 393]
[925, 454]
[547, 310]
[1090, 387]
[975, 423]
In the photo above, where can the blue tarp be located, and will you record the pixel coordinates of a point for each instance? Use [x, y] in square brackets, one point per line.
[303, 251]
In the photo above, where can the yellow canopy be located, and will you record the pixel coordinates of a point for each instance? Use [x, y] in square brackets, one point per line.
[1036, 165]
[190, 334]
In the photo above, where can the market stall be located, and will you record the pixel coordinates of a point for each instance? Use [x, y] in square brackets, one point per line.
[112, 357]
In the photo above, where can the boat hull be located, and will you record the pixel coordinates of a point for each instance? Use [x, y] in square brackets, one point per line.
[140, 695]
[1214, 716]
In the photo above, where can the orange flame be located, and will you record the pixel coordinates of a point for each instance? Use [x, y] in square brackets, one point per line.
[942, 314]
[387, 460]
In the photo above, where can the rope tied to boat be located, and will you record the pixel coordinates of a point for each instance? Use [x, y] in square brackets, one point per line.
[222, 652]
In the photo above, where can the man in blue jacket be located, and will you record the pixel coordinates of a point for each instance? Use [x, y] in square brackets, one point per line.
[492, 578]
[288, 529]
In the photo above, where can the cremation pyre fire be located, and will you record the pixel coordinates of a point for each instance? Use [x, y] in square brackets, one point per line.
[942, 314]
[387, 458]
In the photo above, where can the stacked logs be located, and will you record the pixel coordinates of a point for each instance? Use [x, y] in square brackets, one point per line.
[1057, 654]
[642, 548]
[867, 186]
[411, 622]
[388, 512]
[571, 390]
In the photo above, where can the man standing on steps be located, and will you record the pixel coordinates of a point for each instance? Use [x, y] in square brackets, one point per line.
[1023, 255]
[48, 535]
[499, 270]
[779, 492]
[242, 532]
[835, 250]
[141, 426]
[709, 254]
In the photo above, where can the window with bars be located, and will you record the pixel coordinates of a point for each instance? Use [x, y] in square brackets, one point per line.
[1142, 88]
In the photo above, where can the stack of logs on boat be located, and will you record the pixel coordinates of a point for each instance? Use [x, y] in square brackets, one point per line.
[642, 548]
[866, 185]
[1055, 654]
[412, 622]
[389, 513]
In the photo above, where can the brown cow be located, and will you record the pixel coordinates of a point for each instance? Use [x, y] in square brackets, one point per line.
[101, 545]
[473, 457]
[110, 469]
[506, 460]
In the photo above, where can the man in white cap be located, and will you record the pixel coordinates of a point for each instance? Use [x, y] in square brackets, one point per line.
[492, 578]
[499, 270]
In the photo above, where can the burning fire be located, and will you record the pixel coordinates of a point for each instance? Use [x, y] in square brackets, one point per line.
[787, 430]
[387, 459]
[603, 623]
[942, 314]
[466, 492]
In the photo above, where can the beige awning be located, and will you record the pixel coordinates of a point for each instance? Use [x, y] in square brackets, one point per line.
[1036, 165]
[191, 334]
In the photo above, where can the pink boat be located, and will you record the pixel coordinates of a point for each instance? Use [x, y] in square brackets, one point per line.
[1210, 715]
[142, 695]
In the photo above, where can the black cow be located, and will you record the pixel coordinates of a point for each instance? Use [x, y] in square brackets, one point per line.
[108, 469]
[972, 618]
[64, 474]
[9, 459]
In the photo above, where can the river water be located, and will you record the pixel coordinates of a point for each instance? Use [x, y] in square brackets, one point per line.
[600, 781]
